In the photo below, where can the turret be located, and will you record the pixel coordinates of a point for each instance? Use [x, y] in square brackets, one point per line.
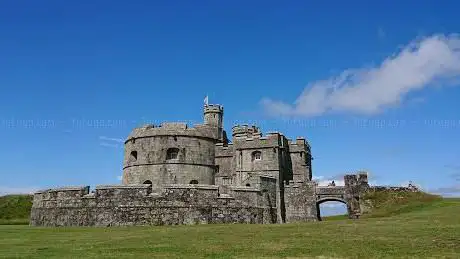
[245, 131]
[213, 116]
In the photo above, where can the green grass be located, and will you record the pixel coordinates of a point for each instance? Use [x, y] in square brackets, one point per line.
[429, 231]
[334, 217]
[15, 209]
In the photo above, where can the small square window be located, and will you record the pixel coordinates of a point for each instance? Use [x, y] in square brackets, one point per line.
[172, 153]
[256, 155]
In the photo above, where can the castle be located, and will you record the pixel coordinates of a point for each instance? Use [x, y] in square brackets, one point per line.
[176, 174]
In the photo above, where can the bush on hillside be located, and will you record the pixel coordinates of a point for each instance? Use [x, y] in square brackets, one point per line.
[15, 209]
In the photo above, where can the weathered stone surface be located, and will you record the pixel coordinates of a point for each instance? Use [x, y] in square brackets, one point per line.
[137, 205]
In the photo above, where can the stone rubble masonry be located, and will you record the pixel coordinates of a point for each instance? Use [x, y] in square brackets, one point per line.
[136, 204]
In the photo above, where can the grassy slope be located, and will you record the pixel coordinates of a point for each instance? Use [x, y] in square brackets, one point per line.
[15, 209]
[390, 203]
[427, 228]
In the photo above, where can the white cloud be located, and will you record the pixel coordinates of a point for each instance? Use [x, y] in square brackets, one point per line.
[448, 191]
[110, 145]
[5, 190]
[111, 139]
[369, 90]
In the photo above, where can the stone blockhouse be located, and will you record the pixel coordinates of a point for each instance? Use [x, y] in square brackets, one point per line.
[176, 174]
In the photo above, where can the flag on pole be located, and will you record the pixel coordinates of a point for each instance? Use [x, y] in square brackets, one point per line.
[206, 100]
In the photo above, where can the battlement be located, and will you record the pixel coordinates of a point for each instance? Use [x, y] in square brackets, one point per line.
[213, 108]
[244, 130]
[257, 142]
[274, 133]
[173, 129]
[117, 205]
[359, 178]
[224, 146]
[224, 151]
[301, 141]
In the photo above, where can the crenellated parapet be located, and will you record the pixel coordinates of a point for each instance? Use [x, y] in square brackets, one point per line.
[213, 108]
[115, 205]
[299, 145]
[245, 131]
[270, 140]
[173, 129]
[224, 150]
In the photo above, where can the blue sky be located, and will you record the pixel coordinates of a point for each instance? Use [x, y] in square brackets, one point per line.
[77, 76]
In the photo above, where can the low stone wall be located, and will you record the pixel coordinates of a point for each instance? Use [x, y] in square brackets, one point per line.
[136, 205]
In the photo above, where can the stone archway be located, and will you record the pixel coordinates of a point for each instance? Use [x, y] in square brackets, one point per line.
[329, 199]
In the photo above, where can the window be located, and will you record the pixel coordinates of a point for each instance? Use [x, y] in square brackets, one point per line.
[133, 156]
[256, 155]
[194, 182]
[172, 153]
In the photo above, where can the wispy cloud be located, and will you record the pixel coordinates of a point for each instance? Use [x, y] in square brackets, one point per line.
[453, 190]
[104, 144]
[119, 140]
[424, 62]
[111, 142]
[4, 190]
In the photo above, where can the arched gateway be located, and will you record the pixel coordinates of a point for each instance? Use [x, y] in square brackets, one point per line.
[324, 200]
[302, 199]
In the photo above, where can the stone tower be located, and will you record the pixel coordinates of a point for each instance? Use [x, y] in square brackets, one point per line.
[213, 116]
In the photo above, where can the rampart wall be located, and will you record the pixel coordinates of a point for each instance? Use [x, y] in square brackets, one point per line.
[120, 205]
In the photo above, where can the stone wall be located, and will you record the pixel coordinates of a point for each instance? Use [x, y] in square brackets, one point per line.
[300, 202]
[301, 160]
[146, 155]
[225, 164]
[137, 205]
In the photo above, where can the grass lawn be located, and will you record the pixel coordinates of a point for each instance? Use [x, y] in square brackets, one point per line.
[431, 231]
